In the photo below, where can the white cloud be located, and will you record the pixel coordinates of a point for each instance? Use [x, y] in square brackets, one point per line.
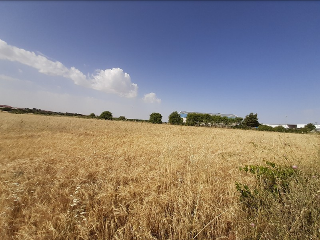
[39, 62]
[114, 81]
[110, 80]
[151, 98]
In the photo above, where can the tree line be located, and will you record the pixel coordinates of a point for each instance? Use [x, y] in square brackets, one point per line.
[39, 111]
[249, 122]
[193, 119]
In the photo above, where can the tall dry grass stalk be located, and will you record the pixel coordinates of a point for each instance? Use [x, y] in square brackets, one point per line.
[70, 178]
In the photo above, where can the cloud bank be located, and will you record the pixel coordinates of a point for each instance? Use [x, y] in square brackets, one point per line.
[151, 98]
[114, 80]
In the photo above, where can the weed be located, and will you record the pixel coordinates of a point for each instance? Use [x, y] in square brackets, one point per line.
[273, 203]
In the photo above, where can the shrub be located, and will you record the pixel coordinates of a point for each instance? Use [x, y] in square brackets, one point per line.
[282, 203]
[265, 128]
[270, 179]
[279, 129]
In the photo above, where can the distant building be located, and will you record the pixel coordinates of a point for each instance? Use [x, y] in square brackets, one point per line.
[293, 126]
[5, 106]
[184, 114]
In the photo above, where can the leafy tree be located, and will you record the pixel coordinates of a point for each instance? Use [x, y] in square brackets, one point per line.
[122, 118]
[175, 118]
[309, 127]
[216, 119]
[238, 120]
[251, 120]
[92, 115]
[106, 115]
[194, 119]
[155, 118]
[226, 121]
[207, 118]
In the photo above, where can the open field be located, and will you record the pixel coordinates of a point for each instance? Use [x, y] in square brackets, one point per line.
[71, 178]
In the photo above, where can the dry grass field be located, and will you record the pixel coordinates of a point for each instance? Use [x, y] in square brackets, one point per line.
[72, 178]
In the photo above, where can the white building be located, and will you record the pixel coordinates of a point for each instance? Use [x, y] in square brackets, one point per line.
[300, 125]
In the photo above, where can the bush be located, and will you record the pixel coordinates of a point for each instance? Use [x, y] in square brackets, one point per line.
[265, 128]
[271, 179]
[279, 129]
[243, 127]
[282, 203]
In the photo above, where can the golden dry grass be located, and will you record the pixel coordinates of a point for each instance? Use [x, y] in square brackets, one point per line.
[71, 178]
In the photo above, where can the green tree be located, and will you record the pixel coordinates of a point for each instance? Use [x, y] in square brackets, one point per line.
[238, 120]
[92, 115]
[155, 118]
[251, 120]
[175, 118]
[216, 119]
[106, 115]
[226, 121]
[122, 118]
[207, 119]
[310, 127]
[194, 119]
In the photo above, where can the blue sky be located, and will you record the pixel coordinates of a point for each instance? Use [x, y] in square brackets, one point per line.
[135, 58]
